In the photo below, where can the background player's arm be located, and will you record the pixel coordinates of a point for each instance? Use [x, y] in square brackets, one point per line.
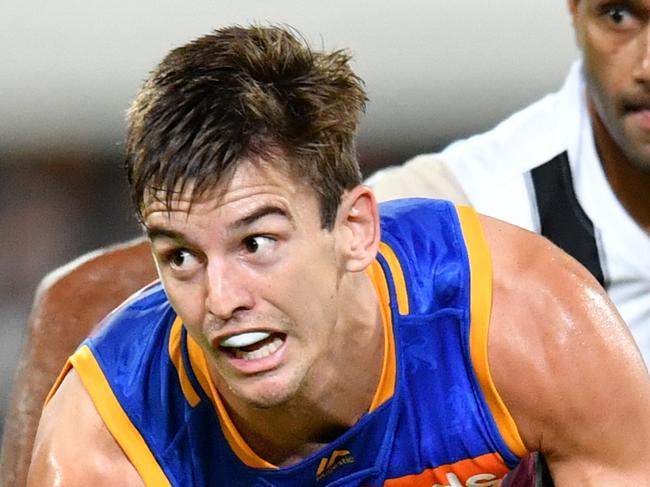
[566, 365]
[73, 447]
[68, 304]
[424, 176]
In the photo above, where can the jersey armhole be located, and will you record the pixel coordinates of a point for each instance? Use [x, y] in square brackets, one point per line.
[57, 382]
[115, 418]
[480, 264]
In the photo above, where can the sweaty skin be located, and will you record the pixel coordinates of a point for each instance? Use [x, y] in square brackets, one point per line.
[613, 38]
[566, 364]
[577, 379]
[103, 279]
[103, 464]
[68, 304]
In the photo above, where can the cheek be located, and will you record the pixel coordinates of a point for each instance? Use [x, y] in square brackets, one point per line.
[612, 62]
[607, 80]
[304, 291]
[319, 293]
[596, 68]
[187, 301]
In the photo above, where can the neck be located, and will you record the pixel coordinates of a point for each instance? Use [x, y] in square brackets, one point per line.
[629, 183]
[339, 390]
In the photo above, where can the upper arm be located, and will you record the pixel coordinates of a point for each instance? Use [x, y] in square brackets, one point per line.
[424, 176]
[565, 364]
[69, 302]
[73, 447]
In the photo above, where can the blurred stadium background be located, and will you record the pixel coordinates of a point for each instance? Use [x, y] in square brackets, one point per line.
[434, 70]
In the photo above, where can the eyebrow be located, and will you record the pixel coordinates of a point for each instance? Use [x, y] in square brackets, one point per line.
[259, 213]
[155, 231]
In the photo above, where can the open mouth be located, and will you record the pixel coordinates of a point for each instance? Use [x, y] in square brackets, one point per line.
[252, 345]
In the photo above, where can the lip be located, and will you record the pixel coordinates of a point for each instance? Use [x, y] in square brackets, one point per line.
[230, 331]
[253, 366]
[640, 118]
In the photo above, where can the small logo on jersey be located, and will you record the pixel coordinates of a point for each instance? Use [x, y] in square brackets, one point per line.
[479, 480]
[335, 460]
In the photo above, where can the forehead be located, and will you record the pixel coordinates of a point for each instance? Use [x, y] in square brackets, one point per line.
[637, 4]
[253, 182]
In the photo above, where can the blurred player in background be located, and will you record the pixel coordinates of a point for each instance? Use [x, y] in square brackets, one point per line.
[302, 335]
[575, 166]
[579, 155]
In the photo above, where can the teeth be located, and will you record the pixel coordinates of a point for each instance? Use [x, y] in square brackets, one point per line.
[244, 339]
[261, 352]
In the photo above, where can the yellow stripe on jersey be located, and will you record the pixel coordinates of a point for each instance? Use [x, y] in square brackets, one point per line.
[386, 386]
[116, 420]
[384, 391]
[176, 357]
[97, 327]
[398, 278]
[480, 264]
[235, 440]
[57, 382]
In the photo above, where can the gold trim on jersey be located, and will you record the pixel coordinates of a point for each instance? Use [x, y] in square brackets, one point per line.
[176, 357]
[480, 264]
[385, 388]
[235, 440]
[398, 278]
[57, 382]
[116, 420]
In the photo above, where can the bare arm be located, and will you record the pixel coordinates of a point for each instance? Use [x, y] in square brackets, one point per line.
[68, 304]
[424, 176]
[73, 446]
[566, 365]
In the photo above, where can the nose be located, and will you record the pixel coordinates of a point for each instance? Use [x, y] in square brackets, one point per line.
[228, 290]
[642, 70]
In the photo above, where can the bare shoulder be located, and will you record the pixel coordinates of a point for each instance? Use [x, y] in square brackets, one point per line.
[74, 447]
[110, 271]
[565, 363]
[69, 303]
[426, 176]
[75, 297]
[71, 300]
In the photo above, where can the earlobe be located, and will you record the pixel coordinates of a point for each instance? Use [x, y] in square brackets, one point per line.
[359, 219]
[573, 6]
[573, 10]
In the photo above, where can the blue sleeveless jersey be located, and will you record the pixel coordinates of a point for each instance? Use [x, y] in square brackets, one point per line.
[436, 420]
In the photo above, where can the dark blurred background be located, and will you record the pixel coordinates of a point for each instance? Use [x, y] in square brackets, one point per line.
[434, 70]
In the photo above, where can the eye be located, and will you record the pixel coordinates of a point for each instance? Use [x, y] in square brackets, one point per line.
[180, 259]
[619, 15]
[257, 244]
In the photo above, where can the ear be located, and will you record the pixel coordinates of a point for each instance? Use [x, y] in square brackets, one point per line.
[574, 10]
[358, 225]
[573, 7]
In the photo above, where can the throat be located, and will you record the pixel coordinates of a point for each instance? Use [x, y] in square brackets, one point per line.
[286, 438]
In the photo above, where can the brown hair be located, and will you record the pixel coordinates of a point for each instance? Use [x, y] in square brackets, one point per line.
[245, 93]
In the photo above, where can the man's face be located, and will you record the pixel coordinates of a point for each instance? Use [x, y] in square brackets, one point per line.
[615, 39]
[254, 278]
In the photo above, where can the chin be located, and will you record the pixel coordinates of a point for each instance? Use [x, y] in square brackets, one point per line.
[643, 164]
[267, 393]
[640, 158]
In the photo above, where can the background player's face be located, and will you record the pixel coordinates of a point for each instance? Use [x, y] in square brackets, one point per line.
[254, 277]
[615, 39]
